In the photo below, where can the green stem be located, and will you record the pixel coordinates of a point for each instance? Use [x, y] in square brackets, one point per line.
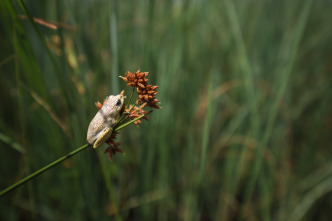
[129, 122]
[124, 116]
[131, 96]
[38, 172]
[49, 166]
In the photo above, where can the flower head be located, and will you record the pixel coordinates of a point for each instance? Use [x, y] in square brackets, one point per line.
[113, 146]
[146, 92]
[134, 112]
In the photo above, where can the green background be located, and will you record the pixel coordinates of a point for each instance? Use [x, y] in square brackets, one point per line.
[245, 129]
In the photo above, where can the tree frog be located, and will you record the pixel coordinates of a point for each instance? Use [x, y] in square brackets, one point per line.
[101, 126]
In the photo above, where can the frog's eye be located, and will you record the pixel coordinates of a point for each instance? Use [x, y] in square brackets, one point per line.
[118, 103]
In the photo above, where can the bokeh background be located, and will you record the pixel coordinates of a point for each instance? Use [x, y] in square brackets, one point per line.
[245, 129]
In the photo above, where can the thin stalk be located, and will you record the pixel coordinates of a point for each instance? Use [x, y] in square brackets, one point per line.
[49, 166]
[258, 158]
[142, 106]
[114, 44]
[131, 96]
[124, 116]
[111, 192]
[129, 122]
[40, 171]
[205, 138]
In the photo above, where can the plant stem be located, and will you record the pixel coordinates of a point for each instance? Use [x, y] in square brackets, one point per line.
[129, 122]
[49, 166]
[40, 171]
[131, 96]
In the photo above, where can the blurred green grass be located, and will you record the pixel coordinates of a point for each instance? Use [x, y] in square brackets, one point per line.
[245, 128]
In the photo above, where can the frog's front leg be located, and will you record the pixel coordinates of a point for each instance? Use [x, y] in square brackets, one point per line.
[103, 137]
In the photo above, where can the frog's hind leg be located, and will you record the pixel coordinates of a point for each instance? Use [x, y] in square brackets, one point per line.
[103, 137]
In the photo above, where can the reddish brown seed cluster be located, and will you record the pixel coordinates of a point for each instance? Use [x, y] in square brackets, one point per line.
[137, 112]
[113, 146]
[146, 93]
[99, 105]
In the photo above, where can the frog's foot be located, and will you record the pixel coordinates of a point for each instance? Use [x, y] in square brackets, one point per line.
[112, 149]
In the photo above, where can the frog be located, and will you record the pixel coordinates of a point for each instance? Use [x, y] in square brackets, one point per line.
[101, 126]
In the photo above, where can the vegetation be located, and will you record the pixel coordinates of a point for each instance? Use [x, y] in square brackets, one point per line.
[245, 128]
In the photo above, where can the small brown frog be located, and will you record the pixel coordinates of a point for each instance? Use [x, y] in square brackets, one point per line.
[101, 126]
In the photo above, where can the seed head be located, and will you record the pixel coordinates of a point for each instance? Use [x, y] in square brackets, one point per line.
[146, 92]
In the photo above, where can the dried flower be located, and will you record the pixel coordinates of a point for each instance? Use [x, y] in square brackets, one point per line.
[146, 92]
[113, 146]
[98, 105]
[134, 112]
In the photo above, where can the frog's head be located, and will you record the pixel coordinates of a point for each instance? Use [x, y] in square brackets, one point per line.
[115, 103]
